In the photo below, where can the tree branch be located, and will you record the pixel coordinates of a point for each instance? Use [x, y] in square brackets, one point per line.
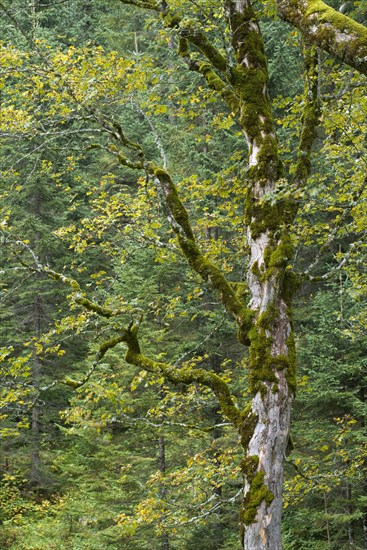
[336, 269]
[145, 4]
[310, 115]
[200, 40]
[329, 29]
[179, 221]
[334, 231]
[184, 375]
[103, 349]
[77, 293]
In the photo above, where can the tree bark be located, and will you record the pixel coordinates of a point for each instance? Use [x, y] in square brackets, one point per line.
[34, 475]
[266, 422]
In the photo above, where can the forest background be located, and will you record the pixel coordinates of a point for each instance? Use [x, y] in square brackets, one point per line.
[96, 453]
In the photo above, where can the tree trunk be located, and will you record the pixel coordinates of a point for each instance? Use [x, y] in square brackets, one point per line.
[267, 427]
[34, 475]
[272, 356]
[163, 490]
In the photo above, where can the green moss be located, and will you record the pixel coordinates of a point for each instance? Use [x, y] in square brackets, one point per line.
[291, 372]
[247, 425]
[266, 215]
[263, 366]
[267, 318]
[256, 494]
[209, 272]
[246, 39]
[184, 375]
[249, 465]
[213, 79]
[290, 445]
[291, 283]
[216, 83]
[338, 20]
[351, 47]
[255, 270]
[170, 20]
[281, 255]
[241, 289]
[72, 383]
[200, 40]
[250, 80]
[183, 47]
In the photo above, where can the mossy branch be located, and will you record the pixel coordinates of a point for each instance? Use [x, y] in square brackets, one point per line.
[215, 61]
[216, 83]
[77, 293]
[103, 349]
[144, 4]
[180, 223]
[310, 114]
[184, 375]
[328, 29]
[121, 159]
[200, 40]
[190, 33]
[78, 297]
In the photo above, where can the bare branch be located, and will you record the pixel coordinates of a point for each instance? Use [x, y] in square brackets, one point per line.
[157, 138]
[333, 233]
[334, 270]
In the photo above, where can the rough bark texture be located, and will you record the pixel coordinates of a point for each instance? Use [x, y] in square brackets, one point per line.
[266, 426]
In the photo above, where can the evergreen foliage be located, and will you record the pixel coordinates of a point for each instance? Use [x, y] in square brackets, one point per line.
[125, 182]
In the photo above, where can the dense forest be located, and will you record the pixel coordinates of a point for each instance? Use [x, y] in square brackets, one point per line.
[183, 284]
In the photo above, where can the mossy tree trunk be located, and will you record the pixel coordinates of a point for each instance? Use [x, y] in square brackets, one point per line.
[266, 424]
